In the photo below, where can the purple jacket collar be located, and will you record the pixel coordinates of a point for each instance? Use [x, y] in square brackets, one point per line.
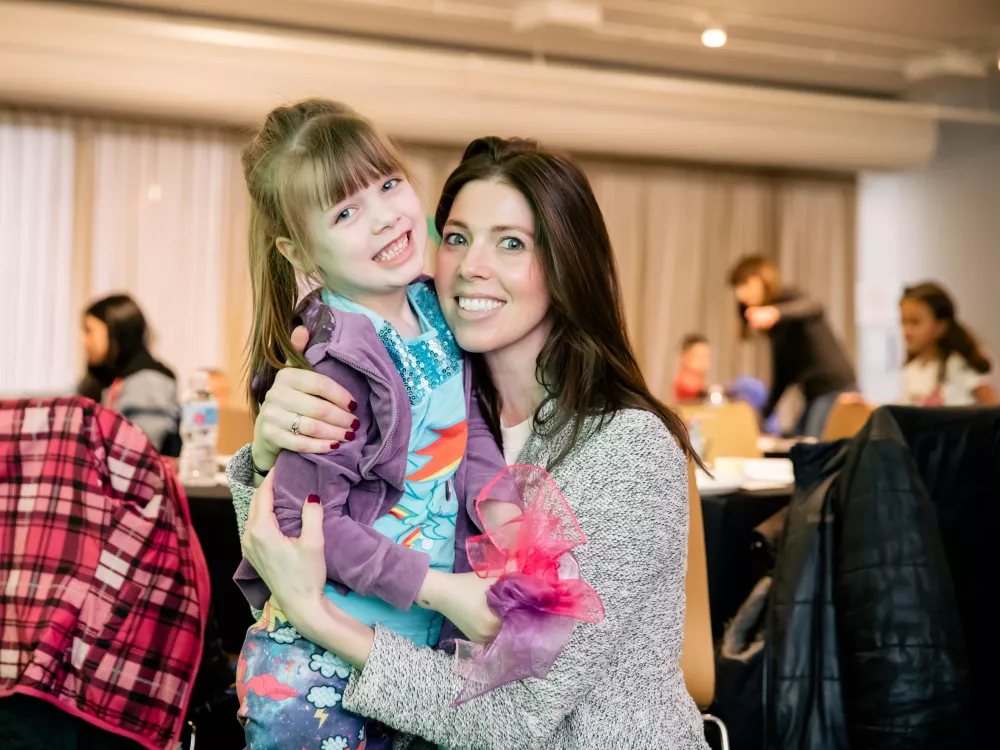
[351, 339]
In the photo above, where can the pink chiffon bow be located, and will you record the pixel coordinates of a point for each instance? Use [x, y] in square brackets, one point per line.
[539, 595]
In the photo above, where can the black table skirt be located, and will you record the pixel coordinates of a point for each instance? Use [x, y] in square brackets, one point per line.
[214, 522]
[732, 570]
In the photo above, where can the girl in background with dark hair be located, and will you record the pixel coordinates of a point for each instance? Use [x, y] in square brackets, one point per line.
[804, 350]
[945, 365]
[122, 374]
[527, 283]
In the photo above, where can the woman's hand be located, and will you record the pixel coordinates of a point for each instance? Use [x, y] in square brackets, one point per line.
[293, 569]
[763, 318]
[322, 406]
[461, 597]
[295, 572]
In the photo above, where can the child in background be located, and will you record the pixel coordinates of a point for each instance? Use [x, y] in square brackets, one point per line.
[696, 360]
[945, 365]
[804, 350]
[331, 201]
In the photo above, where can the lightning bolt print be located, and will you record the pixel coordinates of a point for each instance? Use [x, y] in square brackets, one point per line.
[322, 715]
[444, 454]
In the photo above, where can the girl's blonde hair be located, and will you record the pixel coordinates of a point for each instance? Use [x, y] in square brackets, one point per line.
[305, 157]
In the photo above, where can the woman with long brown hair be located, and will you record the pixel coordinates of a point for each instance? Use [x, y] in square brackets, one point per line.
[527, 283]
[804, 350]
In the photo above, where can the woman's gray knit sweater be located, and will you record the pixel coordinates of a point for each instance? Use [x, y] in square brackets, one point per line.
[616, 685]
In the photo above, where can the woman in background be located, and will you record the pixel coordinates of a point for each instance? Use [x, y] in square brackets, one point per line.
[804, 350]
[122, 374]
[945, 365]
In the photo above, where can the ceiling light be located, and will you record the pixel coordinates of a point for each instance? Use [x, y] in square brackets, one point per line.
[713, 37]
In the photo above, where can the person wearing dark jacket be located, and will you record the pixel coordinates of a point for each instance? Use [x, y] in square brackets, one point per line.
[880, 623]
[804, 350]
[124, 376]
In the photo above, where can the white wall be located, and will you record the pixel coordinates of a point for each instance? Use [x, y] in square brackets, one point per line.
[942, 223]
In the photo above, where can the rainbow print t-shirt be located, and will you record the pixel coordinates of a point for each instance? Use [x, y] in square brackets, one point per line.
[424, 517]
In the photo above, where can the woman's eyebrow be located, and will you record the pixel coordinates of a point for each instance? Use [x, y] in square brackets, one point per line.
[513, 227]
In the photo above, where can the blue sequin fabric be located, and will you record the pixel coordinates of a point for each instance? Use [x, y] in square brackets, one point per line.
[424, 362]
[431, 359]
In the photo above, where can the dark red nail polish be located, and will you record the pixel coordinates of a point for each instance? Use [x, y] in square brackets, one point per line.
[334, 446]
[355, 424]
[349, 435]
[312, 499]
[353, 406]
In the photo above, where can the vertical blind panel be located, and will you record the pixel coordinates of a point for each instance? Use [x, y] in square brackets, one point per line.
[38, 331]
[159, 218]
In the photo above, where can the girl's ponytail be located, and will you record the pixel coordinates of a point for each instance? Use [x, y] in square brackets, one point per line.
[957, 338]
[306, 156]
[275, 292]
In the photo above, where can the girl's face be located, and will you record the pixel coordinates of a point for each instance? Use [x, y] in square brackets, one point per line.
[489, 277]
[371, 243]
[751, 292]
[921, 329]
[95, 340]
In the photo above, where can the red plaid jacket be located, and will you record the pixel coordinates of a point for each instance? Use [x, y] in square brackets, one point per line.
[104, 589]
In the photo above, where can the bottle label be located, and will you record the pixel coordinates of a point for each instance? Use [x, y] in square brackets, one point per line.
[201, 414]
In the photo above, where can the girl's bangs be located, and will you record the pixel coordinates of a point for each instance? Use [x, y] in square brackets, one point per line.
[349, 157]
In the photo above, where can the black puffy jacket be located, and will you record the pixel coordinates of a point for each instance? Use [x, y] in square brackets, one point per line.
[878, 636]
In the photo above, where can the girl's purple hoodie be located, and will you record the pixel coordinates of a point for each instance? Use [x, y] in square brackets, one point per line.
[362, 480]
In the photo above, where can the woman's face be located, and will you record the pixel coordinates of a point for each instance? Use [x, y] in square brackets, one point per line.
[489, 277]
[920, 328]
[95, 340]
[751, 292]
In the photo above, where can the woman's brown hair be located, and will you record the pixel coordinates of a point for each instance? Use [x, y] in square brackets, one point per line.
[956, 338]
[587, 364]
[759, 266]
[306, 156]
[745, 269]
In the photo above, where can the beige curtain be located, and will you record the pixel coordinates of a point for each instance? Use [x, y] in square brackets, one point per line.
[161, 212]
[38, 323]
[164, 204]
[429, 168]
[677, 230]
[815, 244]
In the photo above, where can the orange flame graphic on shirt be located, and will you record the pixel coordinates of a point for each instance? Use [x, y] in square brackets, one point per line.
[445, 453]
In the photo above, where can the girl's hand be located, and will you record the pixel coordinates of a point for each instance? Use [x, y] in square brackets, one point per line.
[763, 318]
[461, 597]
[323, 408]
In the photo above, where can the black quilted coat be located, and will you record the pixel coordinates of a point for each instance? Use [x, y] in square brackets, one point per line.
[878, 636]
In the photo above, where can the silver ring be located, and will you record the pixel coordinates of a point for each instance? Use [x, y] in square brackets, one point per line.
[295, 424]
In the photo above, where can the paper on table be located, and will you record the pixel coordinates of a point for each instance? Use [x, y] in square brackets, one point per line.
[769, 470]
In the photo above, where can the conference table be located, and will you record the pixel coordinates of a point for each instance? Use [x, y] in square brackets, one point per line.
[729, 521]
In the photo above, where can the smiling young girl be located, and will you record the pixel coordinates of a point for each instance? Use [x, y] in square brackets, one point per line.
[331, 201]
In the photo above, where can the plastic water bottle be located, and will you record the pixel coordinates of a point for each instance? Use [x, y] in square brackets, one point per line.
[199, 431]
[695, 436]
